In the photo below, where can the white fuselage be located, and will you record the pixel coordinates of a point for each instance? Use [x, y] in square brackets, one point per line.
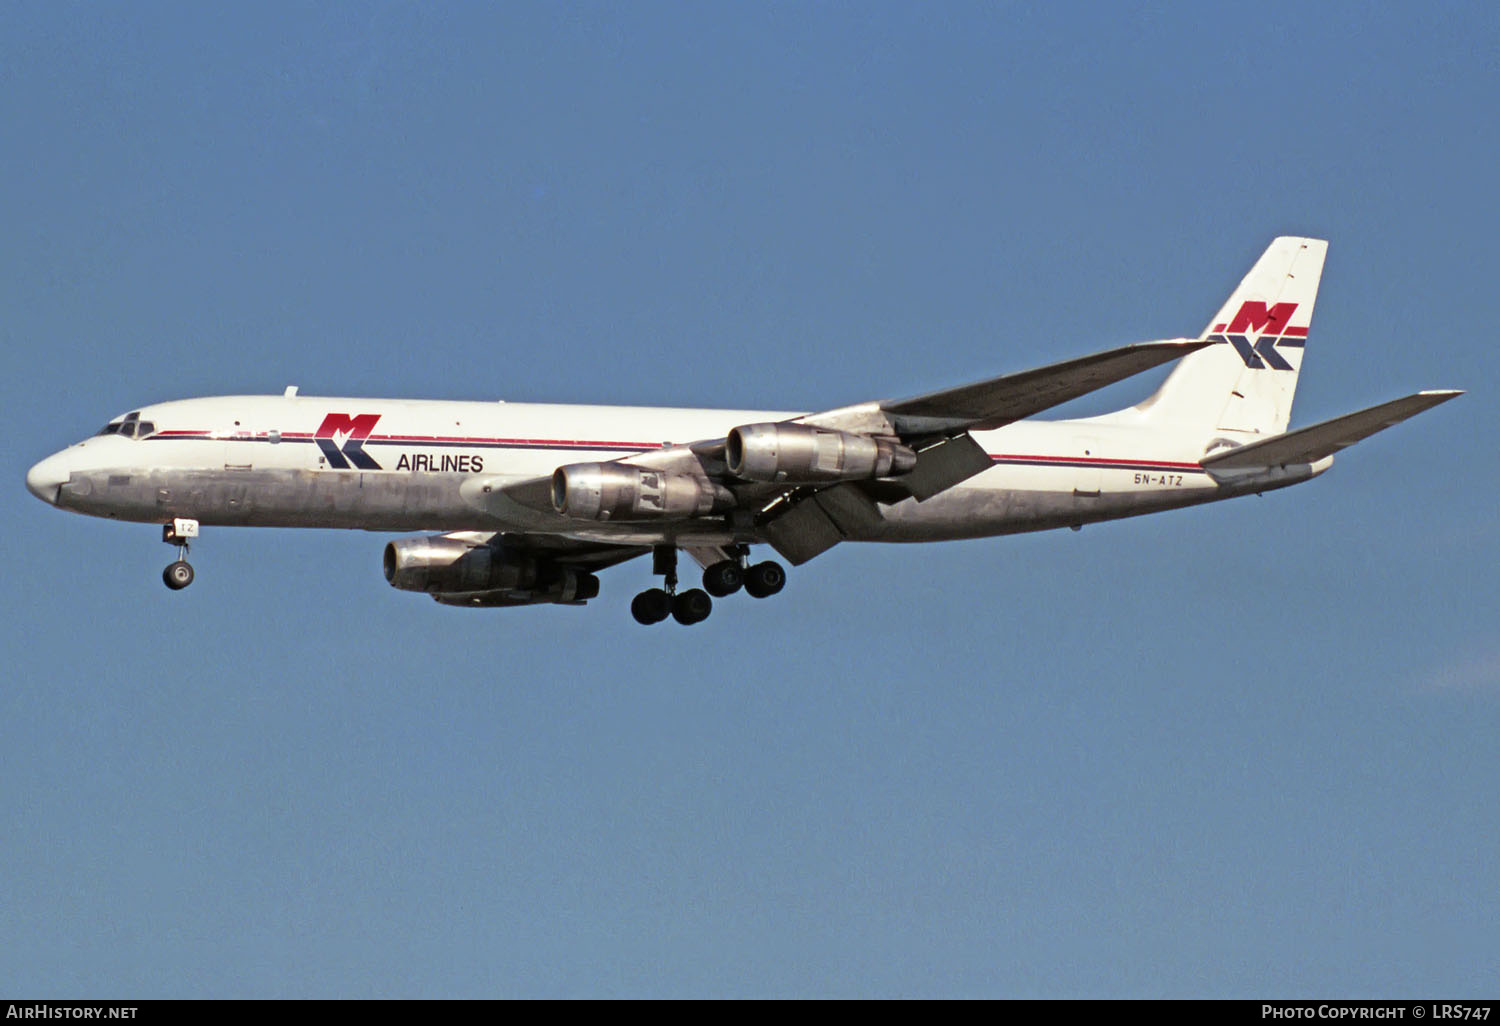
[416, 465]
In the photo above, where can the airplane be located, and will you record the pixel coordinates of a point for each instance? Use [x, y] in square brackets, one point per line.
[530, 502]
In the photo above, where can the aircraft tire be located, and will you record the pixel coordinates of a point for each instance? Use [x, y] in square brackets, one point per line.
[723, 578]
[765, 579]
[692, 607]
[651, 606]
[178, 575]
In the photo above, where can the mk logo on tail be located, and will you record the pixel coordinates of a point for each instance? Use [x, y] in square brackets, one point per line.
[1257, 330]
[354, 431]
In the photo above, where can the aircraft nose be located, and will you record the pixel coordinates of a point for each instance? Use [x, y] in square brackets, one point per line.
[44, 479]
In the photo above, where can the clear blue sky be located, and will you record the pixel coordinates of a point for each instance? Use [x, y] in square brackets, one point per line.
[1241, 750]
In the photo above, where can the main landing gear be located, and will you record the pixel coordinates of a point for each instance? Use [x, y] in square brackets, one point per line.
[656, 604]
[179, 575]
[720, 580]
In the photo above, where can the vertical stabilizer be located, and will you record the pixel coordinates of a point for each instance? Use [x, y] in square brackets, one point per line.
[1246, 380]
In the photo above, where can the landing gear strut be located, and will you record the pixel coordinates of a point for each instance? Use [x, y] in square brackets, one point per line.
[179, 575]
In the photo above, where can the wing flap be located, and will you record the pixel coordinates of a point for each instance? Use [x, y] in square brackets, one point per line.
[940, 467]
[816, 523]
[1310, 444]
[802, 532]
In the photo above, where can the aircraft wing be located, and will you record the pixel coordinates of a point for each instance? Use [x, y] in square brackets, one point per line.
[1310, 444]
[937, 424]
[996, 402]
[801, 520]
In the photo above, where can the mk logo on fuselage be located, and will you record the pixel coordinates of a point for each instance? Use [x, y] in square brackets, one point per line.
[353, 431]
[1257, 330]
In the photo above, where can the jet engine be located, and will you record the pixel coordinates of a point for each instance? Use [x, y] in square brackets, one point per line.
[445, 563]
[458, 572]
[800, 453]
[559, 585]
[615, 491]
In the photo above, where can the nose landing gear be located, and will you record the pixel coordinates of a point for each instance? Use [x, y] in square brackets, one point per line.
[179, 575]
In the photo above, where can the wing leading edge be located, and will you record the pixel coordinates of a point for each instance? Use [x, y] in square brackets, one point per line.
[991, 404]
[996, 402]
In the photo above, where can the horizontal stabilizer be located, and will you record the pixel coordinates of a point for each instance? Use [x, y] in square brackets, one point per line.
[986, 405]
[1310, 444]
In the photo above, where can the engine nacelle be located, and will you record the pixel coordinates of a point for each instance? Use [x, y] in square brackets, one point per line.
[462, 573]
[615, 491]
[801, 453]
[561, 585]
[444, 564]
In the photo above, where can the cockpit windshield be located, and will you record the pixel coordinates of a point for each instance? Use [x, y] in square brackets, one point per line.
[131, 426]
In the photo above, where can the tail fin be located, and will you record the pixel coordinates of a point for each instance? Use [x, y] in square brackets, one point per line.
[1246, 381]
